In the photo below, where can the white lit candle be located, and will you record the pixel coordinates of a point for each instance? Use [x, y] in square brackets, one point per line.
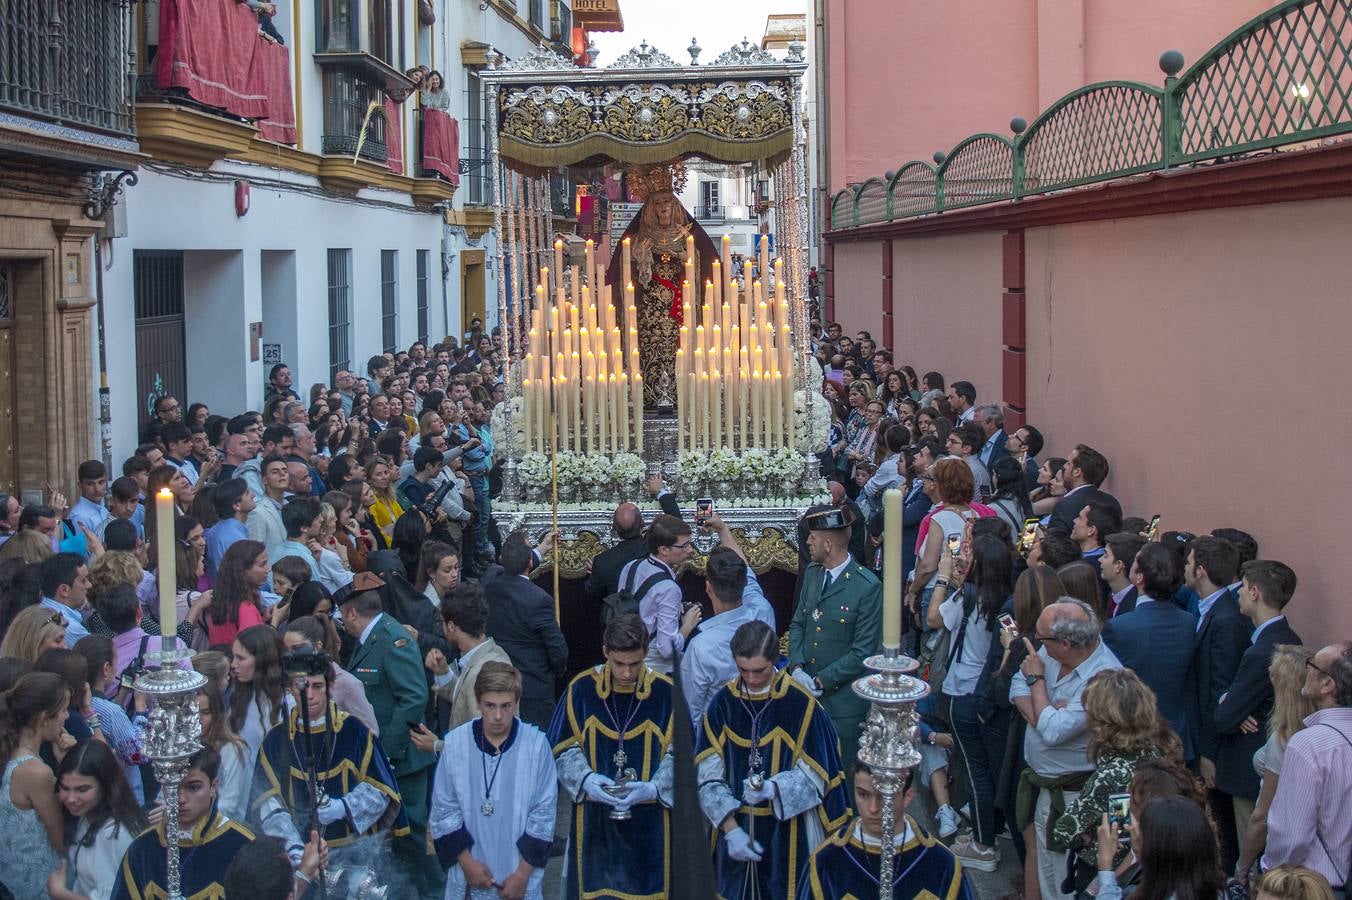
[166, 575]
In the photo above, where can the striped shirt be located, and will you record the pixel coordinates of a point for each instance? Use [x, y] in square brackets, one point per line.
[1311, 815]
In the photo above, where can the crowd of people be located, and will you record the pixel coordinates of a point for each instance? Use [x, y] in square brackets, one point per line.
[1125, 709]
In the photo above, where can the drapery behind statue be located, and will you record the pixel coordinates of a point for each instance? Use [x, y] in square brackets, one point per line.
[657, 249]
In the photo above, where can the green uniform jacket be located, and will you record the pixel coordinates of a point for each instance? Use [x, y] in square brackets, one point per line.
[831, 635]
[389, 667]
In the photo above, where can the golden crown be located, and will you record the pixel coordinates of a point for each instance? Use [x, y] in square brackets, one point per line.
[647, 179]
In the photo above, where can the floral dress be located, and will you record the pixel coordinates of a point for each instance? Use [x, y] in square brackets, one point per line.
[26, 856]
[1085, 812]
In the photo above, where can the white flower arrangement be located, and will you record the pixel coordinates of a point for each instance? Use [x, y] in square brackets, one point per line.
[627, 468]
[570, 467]
[785, 463]
[692, 466]
[534, 470]
[755, 463]
[503, 414]
[723, 465]
[594, 469]
[810, 436]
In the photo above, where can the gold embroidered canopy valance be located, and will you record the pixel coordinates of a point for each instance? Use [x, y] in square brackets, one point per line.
[644, 108]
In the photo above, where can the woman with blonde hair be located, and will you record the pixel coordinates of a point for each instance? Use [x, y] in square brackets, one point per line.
[112, 568]
[1124, 727]
[1293, 883]
[386, 510]
[1289, 710]
[34, 631]
[30, 546]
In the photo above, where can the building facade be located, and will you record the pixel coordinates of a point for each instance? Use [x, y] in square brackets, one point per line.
[67, 135]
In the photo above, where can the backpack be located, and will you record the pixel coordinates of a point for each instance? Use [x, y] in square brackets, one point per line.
[135, 669]
[626, 599]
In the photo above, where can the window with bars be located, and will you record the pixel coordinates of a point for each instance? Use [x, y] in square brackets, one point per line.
[389, 302]
[340, 312]
[423, 257]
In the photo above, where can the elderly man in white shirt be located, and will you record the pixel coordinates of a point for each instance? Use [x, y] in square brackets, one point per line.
[1047, 692]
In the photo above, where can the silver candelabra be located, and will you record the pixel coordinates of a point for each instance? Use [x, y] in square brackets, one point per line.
[173, 735]
[887, 741]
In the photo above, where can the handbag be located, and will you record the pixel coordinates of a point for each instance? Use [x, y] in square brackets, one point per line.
[941, 647]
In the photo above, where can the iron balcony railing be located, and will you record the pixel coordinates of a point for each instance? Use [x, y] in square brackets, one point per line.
[69, 63]
[715, 213]
[1283, 78]
[348, 99]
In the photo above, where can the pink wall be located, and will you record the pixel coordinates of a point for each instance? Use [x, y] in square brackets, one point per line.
[1205, 354]
[859, 288]
[946, 302]
[906, 78]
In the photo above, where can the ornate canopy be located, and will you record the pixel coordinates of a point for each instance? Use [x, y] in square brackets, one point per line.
[646, 108]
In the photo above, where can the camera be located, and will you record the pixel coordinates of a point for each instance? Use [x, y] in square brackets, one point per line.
[303, 665]
[432, 504]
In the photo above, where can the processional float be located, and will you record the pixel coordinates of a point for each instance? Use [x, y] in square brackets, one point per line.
[723, 399]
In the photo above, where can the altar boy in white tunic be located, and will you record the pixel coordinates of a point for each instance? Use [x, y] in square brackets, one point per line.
[493, 799]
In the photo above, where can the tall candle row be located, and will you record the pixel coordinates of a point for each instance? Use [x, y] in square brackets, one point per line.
[734, 362]
[579, 361]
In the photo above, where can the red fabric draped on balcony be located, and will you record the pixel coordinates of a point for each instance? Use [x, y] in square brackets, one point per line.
[394, 136]
[280, 124]
[441, 144]
[210, 48]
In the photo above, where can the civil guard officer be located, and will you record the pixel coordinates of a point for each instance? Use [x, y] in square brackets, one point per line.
[836, 624]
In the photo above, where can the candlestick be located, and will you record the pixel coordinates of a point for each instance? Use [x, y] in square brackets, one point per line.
[636, 384]
[892, 568]
[165, 575]
[716, 411]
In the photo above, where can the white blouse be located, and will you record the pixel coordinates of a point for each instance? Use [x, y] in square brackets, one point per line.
[95, 868]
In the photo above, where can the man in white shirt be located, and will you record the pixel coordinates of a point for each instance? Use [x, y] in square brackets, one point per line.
[962, 397]
[89, 510]
[464, 616]
[1047, 691]
[661, 605]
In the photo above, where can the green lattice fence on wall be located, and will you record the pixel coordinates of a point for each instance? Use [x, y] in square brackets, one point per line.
[1283, 78]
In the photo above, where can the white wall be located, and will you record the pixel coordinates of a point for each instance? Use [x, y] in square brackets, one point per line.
[224, 282]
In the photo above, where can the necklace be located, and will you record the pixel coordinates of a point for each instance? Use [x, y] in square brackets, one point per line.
[487, 806]
[868, 873]
[621, 759]
[330, 747]
[755, 760]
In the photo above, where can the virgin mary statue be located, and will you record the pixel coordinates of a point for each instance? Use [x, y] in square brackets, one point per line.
[657, 249]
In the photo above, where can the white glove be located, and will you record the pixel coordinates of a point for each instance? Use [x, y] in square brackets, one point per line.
[755, 796]
[741, 847]
[639, 792]
[331, 811]
[807, 681]
[594, 786]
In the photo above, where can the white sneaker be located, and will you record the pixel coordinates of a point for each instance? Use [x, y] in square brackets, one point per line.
[948, 822]
[971, 858]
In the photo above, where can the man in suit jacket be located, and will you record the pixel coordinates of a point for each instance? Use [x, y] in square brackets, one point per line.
[1222, 637]
[1266, 588]
[1156, 638]
[521, 621]
[992, 422]
[836, 625]
[627, 524]
[1119, 553]
[389, 666]
[1082, 474]
[465, 614]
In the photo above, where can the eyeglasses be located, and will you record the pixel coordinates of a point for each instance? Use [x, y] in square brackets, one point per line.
[58, 620]
[1047, 638]
[686, 545]
[1310, 663]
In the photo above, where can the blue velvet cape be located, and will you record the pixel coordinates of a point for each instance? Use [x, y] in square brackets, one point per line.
[202, 861]
[630, 859]
[350, 758]
[843, 868]
[794, 728]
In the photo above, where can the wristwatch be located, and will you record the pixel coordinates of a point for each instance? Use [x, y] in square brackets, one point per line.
[1032, 679]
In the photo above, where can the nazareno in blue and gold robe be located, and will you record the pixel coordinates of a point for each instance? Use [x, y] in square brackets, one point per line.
[800, 752]
[845, 867]
[628, 859]
[203, 859]
[346, 759]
